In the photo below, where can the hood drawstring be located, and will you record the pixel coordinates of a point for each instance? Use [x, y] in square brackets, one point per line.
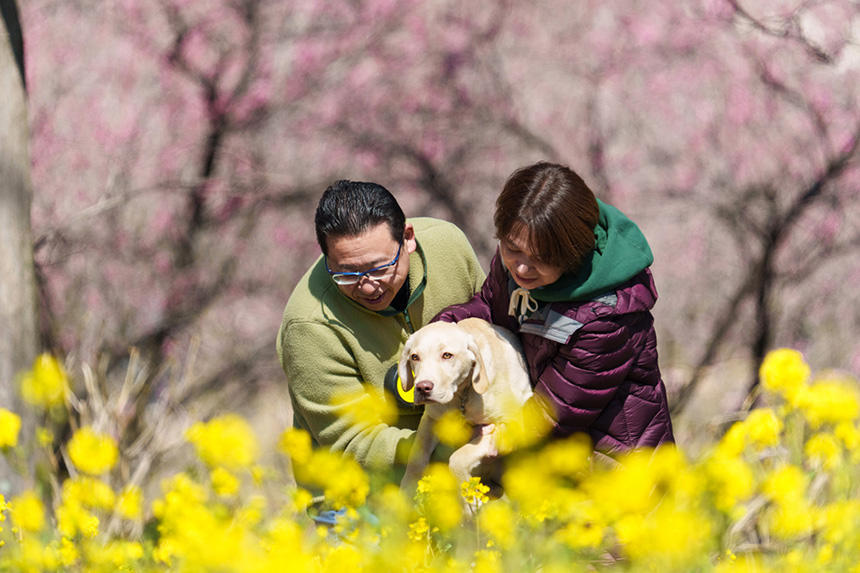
[521, 304]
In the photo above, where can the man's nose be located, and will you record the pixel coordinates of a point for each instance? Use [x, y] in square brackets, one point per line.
[366, 285]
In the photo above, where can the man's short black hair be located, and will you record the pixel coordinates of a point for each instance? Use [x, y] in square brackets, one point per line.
[349, 208]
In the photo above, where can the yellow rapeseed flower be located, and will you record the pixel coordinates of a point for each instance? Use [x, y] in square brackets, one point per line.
[785, 484]
[343, 481]
[452, 429]
[439, 497]
[129, 504]
[628, 488]
[114, 555]
[68, 552]
[841, 522]
[300, 500]
[583, 527]
[790, 518]
[10, 425]
[46, 384]
[825, 555]
[419, 530]
[27, 512]
[849, 435]
[823, 450]
[259, 473]
[828, 401]
[733, 442]
[74, 519]
[784, 372]
[296, 444]
[349, 485]
[394, 504]
[200, 536]
[528, 426]
[224, 483]
[32, 555]
[252, 513]
[672, 473]
[226, 441]
[746, 563]
[729, 479]
[537, 504]
[342, 558]
[89, 492]
[498, 521]
[763, 427]
[44, 436]
[488, 561]
[366, 406]
[569, 457]
[669, 538]
[180, 491]
[92, 452]
[474, 492]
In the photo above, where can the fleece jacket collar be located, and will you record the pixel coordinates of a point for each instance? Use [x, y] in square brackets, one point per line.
[620, 253]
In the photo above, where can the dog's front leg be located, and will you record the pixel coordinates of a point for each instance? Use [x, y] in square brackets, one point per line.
[422, 449]
[469, 456]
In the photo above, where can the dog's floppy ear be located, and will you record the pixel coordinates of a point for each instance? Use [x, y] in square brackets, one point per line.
[480, 380]
[404, 369]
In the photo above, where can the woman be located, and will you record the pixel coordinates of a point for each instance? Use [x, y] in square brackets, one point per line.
[571, 276]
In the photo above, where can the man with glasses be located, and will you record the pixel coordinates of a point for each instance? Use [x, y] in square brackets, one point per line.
[380, 278]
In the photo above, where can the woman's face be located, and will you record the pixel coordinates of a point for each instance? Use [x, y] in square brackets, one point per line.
[522, 262]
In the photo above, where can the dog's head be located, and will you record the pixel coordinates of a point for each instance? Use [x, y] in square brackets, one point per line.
[438, 360]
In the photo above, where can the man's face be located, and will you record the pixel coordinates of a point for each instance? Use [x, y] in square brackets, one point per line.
[373, 248]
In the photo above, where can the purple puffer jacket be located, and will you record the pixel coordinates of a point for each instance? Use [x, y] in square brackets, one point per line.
[594, 363]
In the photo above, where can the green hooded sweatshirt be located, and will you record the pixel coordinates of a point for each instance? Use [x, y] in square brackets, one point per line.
[620, 253]
[331, 347]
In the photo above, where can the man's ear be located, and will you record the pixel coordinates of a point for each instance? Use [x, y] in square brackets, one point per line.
[409, 240]
[404, 369]
[480, 381]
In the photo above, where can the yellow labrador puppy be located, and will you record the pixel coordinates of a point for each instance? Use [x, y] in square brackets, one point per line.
[471, 365]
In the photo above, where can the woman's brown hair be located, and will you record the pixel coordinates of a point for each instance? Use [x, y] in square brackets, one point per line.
[557, 209]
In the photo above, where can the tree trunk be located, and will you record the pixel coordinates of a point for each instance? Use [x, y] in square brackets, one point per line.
[17, 281]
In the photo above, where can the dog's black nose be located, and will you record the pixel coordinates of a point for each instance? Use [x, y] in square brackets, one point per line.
[424, 387]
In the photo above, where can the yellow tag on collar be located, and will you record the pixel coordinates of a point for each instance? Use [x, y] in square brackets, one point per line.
[407, 396]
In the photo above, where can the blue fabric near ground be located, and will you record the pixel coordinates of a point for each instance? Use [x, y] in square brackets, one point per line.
[329, 516]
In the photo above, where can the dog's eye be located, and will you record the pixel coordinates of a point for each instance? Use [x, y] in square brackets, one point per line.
[447, 355]
[414, 357]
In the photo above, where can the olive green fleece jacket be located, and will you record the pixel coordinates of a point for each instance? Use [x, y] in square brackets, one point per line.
[330, 346]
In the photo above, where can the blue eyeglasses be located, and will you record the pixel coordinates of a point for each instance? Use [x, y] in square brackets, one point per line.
[351, 278]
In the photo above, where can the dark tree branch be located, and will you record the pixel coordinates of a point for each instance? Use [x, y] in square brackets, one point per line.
[9, 12]
[762, 276]
[790, 31]
[728, 317]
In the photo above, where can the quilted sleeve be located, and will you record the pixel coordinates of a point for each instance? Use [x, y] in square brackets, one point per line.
[584, 376]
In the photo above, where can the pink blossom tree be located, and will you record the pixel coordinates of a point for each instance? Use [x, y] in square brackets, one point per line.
[179, 149]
